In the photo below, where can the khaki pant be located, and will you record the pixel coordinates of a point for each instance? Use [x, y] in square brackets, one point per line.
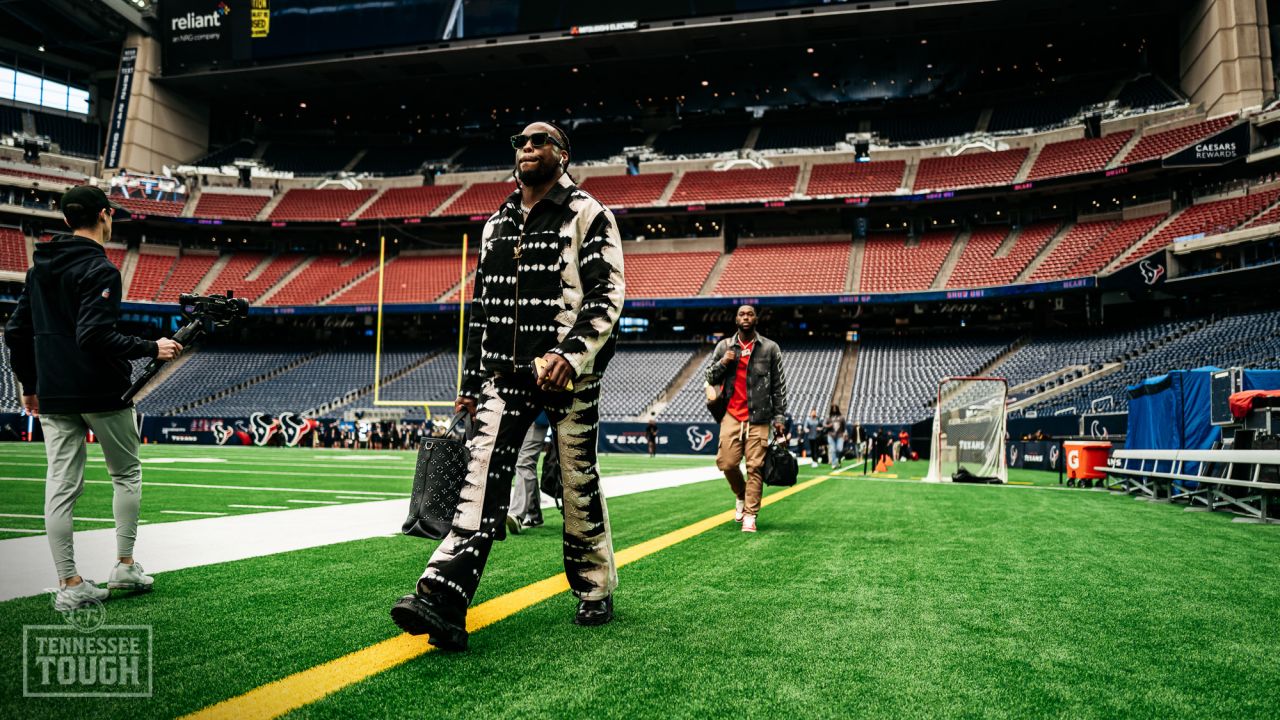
[735, 438]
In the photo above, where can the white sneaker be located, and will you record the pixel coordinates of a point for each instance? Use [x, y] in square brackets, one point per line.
[129, 577]
[749, 523]
[737, 511]
[70, 598]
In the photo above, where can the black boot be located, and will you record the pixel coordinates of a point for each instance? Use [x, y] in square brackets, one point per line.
[445, 626]
[594, 612]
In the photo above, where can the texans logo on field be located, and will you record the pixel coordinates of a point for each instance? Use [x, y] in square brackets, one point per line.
[295, 428]
[263, 429]
[223, 434]
[1151, 273]
[698, 438]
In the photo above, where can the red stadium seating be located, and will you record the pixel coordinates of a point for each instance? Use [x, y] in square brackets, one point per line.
[44, 177]
[705, 186]
[409, 279]
[186, 274]
[325, 275]
[412, 202]
[969, 170]
[888, 265]
[319, 205]
[143, 206]
[668, 275]
[846, 179]
[1062, 262]
[1159, 144]
[480, 199]
[229, 206]
[978, 265]
[149, 275]
[116, 256]
[1073, 157]
[234, 273]
[13, 250]
[812, 268]
[1210, 218]
[1118, 239]
[1266, 218]
[627, 190]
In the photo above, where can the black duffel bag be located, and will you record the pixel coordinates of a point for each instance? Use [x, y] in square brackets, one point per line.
[438, 480]
[780, 467]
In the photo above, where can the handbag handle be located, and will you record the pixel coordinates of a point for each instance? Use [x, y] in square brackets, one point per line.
[464, 417]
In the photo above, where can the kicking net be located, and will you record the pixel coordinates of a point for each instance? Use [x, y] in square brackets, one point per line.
[969, 430]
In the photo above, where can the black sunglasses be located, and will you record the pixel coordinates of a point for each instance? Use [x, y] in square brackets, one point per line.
[538, 139]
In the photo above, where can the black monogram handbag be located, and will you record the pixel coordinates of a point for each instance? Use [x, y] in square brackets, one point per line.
[780, 467]
[438, 480]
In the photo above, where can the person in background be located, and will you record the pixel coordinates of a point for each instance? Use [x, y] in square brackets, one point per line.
[811, 424]
[904, 444]
[525, 508]
[651, 435]
[835, 436]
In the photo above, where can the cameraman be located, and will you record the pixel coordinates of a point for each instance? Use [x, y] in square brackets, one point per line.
[73, 366]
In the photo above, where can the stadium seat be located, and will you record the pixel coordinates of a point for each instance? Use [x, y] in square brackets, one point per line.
[655, 275]
[326, 275]
[13, 250]
[236, 273]
[979, 265]
[627, 190]
[409, 279]
[413, 202]
[1160, 144]
[149, 276]
[143, 206]
[186, 273]
[969, 170]
[712, 186]
[1075, 157]
[229, 206]
[890, 265]
[480, 198]
[317, 205]
[854, 179]
[1206, 218]
[800, 268]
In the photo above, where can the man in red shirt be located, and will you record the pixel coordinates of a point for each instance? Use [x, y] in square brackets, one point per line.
[749, 366]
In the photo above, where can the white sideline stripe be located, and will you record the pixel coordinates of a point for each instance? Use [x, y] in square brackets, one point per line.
[223, 471]
[349, 497]
[315, 502]
[261, 507]
[371, 494]
[26, 567]
[41, 517]
[191, 512]
[21, 530]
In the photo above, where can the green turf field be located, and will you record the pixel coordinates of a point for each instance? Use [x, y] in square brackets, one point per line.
[235, 477]
[860, 597]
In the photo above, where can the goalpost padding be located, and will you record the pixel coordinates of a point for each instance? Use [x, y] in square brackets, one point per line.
[969, 428]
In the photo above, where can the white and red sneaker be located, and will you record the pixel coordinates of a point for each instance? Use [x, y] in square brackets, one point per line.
[748, 523]
[737, 511]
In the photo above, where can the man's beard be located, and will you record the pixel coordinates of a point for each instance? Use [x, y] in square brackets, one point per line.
[541, 174]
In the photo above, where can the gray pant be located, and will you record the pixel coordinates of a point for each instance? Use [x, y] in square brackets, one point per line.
[526, 498]
[64, 445]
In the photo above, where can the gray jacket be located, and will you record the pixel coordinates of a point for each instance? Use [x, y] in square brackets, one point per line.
[766, 383]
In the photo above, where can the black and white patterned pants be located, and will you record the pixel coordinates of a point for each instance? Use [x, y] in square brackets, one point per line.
[504, 412]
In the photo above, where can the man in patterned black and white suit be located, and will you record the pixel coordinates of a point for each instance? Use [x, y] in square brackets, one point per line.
[549, 288]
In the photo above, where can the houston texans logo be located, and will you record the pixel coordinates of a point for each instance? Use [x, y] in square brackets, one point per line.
[1053, 456]
[263, 429]
[1151, 273]
[1013, 455]
[295, 428]
[1097, 430]
[698, 438]
[223, 435]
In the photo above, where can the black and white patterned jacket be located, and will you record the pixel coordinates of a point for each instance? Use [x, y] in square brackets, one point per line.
[551, 282]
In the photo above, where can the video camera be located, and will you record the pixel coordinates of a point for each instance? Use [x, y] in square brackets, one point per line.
[204, 314]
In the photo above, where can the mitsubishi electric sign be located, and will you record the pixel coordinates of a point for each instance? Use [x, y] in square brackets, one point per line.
[1227, 146]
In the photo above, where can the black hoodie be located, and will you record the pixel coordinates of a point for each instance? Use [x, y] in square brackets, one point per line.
[64, 328]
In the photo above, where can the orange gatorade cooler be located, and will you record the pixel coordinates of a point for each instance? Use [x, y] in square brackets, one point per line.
[1085, 455]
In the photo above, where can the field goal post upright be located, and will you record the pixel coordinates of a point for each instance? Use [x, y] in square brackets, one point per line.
[969, 428]
[427, 403]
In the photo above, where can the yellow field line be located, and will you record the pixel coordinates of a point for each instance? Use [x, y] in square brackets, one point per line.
[302, 688]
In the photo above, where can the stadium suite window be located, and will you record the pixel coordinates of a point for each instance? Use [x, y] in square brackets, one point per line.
[34, 90]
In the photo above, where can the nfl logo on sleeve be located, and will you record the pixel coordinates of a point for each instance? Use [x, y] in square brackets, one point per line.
[106, 294]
